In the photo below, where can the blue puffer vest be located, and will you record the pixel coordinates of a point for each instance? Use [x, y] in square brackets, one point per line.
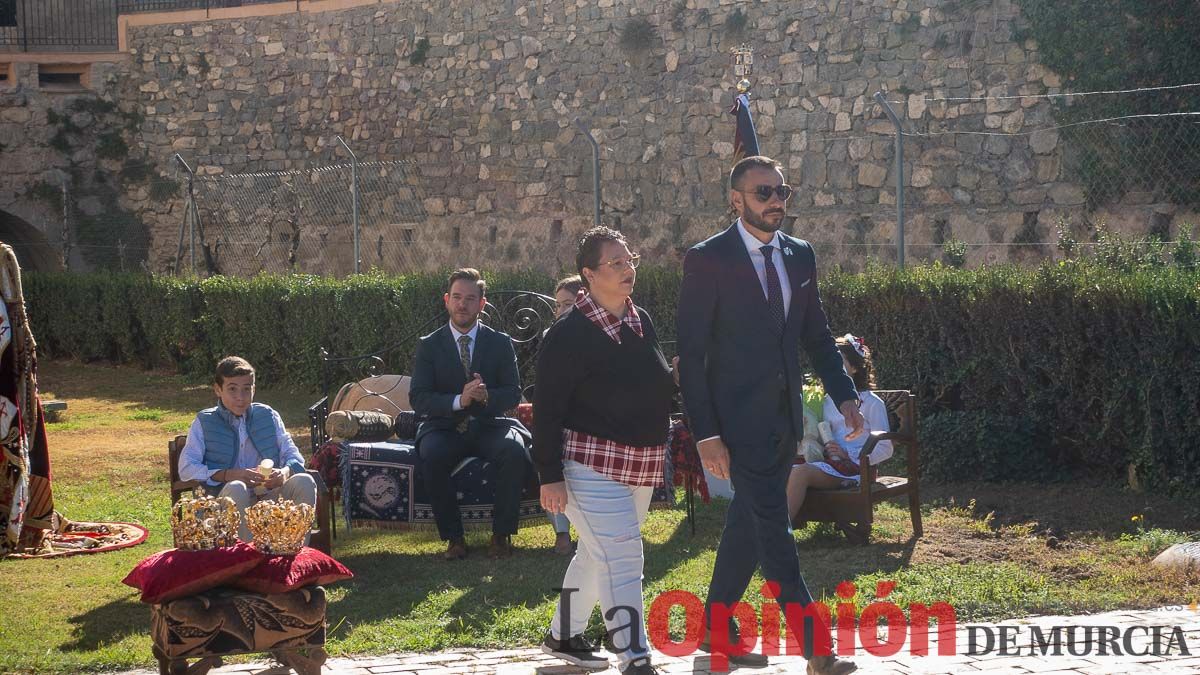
[221, 437]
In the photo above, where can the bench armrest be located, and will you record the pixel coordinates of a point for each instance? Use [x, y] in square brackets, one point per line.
[317, 413]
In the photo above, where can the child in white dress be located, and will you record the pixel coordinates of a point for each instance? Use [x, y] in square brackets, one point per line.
[841, 465]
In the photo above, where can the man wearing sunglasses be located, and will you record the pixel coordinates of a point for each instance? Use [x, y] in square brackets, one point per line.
[748, 300]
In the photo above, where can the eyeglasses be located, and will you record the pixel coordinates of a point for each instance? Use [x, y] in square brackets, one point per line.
[620, 265]
[764, 192]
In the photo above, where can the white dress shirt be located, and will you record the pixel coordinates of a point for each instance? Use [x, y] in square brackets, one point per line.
[760, 263]
[191, 459]
[473, 333]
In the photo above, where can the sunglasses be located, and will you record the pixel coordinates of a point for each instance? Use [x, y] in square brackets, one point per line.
[764, 192]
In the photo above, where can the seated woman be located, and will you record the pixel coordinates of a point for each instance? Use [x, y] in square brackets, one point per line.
[841, 465]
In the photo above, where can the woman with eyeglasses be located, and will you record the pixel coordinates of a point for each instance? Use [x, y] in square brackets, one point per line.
[601, 410]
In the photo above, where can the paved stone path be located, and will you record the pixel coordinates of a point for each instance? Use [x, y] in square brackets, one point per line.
[1133, 626]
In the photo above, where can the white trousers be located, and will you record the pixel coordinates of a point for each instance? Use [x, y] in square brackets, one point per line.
[607, 567]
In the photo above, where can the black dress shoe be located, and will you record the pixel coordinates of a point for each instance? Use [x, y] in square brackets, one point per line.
[830, 665]
[748, 660]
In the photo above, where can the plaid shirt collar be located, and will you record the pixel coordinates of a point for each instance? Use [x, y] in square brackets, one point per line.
[603, 318]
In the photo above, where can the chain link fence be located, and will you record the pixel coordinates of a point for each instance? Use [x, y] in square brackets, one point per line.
[302, 221]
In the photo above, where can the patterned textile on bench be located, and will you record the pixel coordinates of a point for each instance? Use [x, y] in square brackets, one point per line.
[382, 488]
[226, 621]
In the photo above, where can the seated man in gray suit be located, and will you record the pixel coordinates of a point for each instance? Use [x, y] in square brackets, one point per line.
[464, 380]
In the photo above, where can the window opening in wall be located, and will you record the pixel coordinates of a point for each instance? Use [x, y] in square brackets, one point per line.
[556, 230]
[5, 75]
[406, 236]
[63, 77]
[492, 234]
[457, 237]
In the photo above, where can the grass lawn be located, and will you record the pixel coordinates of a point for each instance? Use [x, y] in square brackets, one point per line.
[993, 551]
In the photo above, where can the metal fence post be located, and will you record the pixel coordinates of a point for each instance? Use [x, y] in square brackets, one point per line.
[353, 199]
[899, 175]
[595, 170]
[24, 19]
[189, 217]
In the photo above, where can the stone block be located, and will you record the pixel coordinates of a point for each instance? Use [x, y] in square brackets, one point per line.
[1067, 194]
[871, 175]
[1043, 142]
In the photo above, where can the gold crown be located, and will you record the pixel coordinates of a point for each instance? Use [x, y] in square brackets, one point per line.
[204, 522]
[279, 526]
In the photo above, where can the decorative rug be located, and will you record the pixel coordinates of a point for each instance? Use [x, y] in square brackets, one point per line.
[71, 538]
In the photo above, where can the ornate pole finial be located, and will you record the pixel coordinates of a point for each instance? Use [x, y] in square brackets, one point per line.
[743, 66]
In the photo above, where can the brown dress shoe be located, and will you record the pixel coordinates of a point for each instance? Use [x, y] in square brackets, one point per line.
[456, 550]
[501, 546]
[562, 544]
[830, 665]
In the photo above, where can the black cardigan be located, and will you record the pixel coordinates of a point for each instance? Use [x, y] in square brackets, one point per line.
[589, 383]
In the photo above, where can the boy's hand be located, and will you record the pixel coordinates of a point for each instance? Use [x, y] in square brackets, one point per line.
[274, 480]
[250, 477]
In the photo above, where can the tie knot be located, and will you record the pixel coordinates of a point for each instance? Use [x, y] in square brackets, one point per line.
[464, 340]
[767, 250]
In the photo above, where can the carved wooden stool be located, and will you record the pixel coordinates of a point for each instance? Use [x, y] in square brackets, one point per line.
[224, 622]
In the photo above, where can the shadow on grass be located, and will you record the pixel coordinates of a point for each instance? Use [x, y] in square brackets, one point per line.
[108, 624]
[466, 600]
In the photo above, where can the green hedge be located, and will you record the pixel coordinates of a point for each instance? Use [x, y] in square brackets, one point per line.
[1020, 374]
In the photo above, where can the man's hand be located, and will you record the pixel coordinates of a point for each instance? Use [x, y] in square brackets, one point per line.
[474, 391]
[554, 497]
[714, 456]
[250, 477]
[854, 419]
[675, 370]
[275, 479]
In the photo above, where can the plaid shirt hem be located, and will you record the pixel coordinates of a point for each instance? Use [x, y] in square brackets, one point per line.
[638, 466]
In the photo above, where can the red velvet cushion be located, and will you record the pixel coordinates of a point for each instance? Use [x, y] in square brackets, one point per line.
[525, 414]
[283, 573]
[174, 573]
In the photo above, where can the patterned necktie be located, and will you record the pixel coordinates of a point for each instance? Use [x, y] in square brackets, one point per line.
[774, 289]
[464, 355]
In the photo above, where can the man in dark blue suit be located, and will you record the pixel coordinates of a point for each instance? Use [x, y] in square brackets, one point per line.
[747, 302]
[464, 380]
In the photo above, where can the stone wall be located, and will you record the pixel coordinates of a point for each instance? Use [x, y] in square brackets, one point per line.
[73, 186]
[481, 97]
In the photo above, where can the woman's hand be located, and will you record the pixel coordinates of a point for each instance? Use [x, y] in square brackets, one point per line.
[833, 451]
[554, 497]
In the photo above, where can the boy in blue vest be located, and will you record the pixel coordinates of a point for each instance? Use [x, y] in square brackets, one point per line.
[227, 443]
